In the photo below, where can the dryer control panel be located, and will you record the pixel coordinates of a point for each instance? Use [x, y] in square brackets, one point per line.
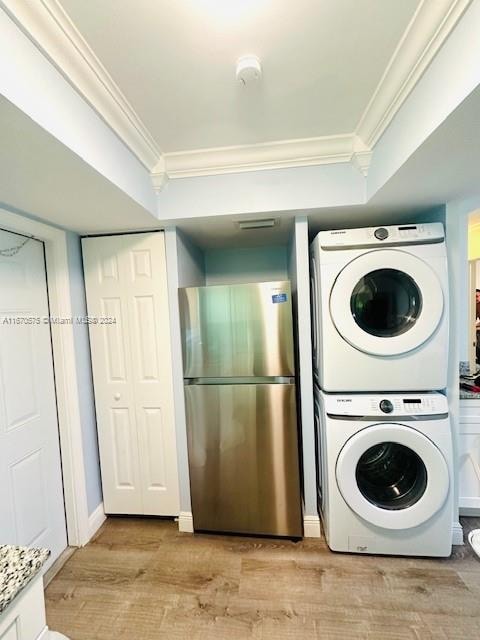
[430, 232]
[382, 405]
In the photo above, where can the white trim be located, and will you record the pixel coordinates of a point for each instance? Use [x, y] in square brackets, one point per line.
[311, 527]
[185, 522]
[254, 157]
[70, 429]
[457, 534]
[430, 26]
[95, 520]
[49, 27]
[361, 160]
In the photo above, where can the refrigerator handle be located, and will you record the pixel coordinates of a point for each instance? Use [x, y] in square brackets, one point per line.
[241, 380]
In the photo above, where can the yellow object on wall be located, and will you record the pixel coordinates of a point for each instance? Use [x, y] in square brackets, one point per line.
[474, 242]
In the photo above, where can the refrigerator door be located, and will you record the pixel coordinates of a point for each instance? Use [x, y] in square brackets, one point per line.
[237, 330]
[243, 457]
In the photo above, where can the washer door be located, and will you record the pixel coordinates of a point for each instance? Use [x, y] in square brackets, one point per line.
[392, 476]
[386, 302]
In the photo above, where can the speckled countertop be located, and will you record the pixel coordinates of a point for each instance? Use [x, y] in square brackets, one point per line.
[18, 565]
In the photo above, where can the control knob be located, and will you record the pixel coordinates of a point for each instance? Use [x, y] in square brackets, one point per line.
[386, 406]
[381, 233]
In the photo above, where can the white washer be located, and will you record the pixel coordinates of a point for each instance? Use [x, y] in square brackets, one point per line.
[386, 473]
[380, 308]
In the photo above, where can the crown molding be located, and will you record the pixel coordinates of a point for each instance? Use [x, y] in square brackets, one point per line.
[48, 26]
[271, 155]
[428, 29]
[159, 175]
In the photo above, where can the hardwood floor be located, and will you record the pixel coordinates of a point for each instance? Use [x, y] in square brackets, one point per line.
[142, 580]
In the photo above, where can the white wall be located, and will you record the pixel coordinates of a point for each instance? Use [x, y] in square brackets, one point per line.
[185, 267]
[84, 375]
[30, 82]
[457, 250]
[451, 77]
[300, 279]
[253, 264]
[295, 189]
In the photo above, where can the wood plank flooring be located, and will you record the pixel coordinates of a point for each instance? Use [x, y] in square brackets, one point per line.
[142, 580]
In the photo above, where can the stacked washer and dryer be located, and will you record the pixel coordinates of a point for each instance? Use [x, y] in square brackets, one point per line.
[380, 318]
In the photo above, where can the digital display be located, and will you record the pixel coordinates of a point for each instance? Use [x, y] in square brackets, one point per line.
[406, 228]
[412, 401]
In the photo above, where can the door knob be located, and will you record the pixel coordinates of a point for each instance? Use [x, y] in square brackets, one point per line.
[117, 396]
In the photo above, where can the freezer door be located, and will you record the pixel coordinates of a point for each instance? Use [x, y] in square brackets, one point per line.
[237, 330]
[243, 456]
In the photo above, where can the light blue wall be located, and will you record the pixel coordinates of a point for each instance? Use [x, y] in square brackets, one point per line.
[84, 374]
[255, 264]
[191, 262]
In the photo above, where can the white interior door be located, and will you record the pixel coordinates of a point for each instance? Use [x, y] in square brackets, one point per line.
[126, 282]
[31, 489]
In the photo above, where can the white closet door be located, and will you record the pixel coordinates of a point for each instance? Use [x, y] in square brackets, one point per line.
[126, 281]
[32, 510]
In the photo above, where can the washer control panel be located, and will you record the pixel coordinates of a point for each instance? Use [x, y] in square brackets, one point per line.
[382, 236]
[388, 404]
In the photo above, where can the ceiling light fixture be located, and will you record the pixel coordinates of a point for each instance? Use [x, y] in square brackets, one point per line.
[249, 69]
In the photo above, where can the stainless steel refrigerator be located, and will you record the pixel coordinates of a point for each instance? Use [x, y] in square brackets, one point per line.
[241, 408]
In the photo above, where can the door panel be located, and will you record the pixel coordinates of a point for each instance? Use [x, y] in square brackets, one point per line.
[386, 302]
[243, 455]
[31, 490]
[123, 445]
[392, 476]
[238, 330]
[126, 280]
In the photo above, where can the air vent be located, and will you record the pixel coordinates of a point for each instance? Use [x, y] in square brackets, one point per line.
[257, 224]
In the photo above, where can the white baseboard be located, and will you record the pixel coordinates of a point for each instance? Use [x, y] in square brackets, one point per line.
[95, 520]
[47, 634]
[457, 531]
[311, 527]
[185, 522]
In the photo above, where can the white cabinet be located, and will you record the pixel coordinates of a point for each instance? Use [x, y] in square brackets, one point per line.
[126, 285]
[469, 457]
[24, 618]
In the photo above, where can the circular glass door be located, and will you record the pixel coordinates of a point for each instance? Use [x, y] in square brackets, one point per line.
[392, 476]
[386, 302]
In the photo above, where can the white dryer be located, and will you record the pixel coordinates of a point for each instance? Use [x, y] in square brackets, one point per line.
[380, 308]
[386, 473]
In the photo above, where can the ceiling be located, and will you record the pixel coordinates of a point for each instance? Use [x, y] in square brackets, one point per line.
[447, 164]
[41, 176]
[175, 63]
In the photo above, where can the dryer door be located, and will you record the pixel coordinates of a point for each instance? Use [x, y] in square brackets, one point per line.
[392, 476]
[386, 302]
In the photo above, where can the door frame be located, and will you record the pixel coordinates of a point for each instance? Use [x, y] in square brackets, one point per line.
[66, 387]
